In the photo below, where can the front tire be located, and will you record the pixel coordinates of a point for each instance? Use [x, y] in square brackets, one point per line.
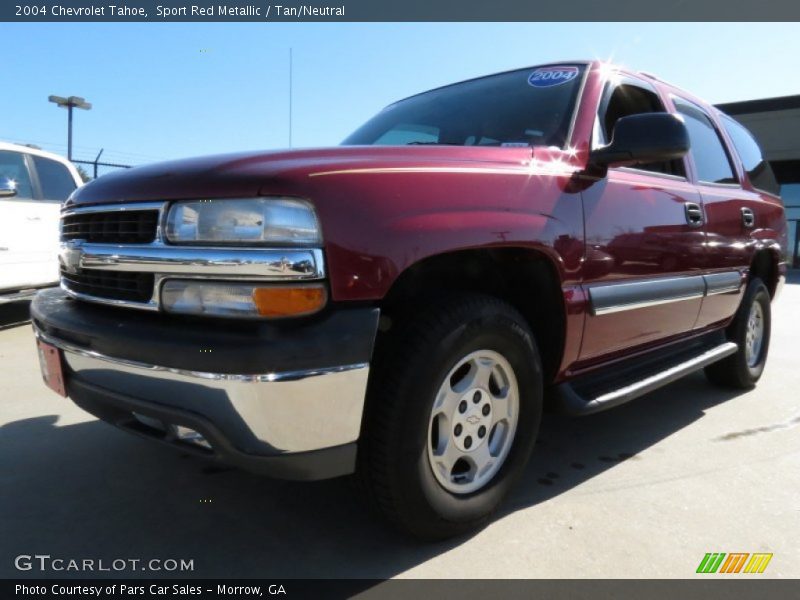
[454, 405]
[750, 330]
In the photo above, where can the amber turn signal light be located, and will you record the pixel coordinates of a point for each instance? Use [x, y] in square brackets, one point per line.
[286, 301]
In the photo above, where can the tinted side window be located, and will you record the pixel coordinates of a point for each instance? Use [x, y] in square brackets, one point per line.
[13, 169]
[55, 179]
[624, 100]
[758, 169]
[710, 157]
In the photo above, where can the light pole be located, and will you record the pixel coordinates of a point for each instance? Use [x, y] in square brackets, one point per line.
[69, 104]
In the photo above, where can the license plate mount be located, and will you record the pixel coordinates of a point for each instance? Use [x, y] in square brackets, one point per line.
[51, 363]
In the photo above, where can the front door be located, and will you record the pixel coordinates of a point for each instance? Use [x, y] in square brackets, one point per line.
[644, 242]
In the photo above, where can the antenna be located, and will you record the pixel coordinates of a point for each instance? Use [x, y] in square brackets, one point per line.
[290, 97]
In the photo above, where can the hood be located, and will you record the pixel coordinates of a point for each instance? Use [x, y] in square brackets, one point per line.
[247, 174]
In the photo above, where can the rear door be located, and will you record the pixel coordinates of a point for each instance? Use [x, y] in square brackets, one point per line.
[729, 246]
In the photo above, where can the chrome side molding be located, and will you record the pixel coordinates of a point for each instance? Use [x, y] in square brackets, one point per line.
[616, 297]
[722, 283]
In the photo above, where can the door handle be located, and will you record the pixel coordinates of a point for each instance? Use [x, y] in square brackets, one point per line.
[694, 214]
[748, 217]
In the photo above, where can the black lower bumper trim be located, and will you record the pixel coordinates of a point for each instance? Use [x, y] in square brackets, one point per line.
[117, 409]
[340, 336]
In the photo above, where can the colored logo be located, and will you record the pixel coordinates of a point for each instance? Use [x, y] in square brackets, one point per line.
[552, 76]
[735, 562]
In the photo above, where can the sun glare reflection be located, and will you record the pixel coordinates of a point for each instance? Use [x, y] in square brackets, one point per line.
[609, 72]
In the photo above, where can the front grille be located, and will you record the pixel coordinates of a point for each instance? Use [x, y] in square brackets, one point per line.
[113, 285]
[115, 227]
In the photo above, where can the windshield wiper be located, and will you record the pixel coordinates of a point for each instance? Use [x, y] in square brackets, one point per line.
[433, 144]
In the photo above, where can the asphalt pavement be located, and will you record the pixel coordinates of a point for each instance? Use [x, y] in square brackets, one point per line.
[644, 490]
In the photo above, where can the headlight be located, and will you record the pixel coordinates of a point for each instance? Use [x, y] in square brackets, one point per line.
[245, 300]
[257, 221]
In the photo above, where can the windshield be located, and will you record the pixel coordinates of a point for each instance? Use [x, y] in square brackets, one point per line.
[527, 107]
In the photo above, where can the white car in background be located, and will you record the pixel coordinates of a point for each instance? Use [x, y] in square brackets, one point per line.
[33, 184]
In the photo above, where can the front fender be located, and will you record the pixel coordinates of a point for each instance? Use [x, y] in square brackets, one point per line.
[364, 265]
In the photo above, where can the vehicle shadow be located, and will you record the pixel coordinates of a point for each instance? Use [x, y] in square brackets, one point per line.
[87, 490]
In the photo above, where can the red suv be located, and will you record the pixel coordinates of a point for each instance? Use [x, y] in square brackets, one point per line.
[403, 306]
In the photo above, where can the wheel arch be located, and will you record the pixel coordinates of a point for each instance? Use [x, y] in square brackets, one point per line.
[526, 278]
[765, 266]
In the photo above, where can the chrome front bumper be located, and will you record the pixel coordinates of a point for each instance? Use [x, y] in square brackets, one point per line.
[267, 414]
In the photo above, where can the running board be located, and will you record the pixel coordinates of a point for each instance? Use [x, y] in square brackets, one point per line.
[18, 296]
[572, 402]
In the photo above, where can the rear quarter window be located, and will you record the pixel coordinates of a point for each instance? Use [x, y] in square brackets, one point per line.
[758, 170]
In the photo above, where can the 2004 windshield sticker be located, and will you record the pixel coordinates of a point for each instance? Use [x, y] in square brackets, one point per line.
[552, 76]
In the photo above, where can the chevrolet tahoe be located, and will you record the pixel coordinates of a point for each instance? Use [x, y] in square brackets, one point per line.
[405, 305]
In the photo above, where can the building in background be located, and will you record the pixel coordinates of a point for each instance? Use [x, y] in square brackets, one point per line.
[775, 122]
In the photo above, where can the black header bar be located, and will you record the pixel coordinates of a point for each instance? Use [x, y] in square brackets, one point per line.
[703, 588]
[397, 10]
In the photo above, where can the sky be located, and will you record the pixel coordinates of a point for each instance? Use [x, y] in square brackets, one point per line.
[170, 90]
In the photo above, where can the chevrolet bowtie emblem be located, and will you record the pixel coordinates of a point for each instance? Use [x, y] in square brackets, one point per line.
[70, 256]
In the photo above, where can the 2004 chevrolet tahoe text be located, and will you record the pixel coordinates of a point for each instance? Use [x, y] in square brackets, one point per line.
[403, 306]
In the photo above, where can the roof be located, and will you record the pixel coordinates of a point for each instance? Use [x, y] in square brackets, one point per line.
[762, 105]
[31, 150]
[44, 154]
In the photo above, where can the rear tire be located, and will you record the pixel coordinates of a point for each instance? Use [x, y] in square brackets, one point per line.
[467, 367]
[750, 329]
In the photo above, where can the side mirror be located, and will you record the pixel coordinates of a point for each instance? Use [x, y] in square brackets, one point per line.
[8, 188]
[643, 138]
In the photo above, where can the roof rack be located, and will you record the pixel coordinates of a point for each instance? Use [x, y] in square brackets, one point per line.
[659, 79]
